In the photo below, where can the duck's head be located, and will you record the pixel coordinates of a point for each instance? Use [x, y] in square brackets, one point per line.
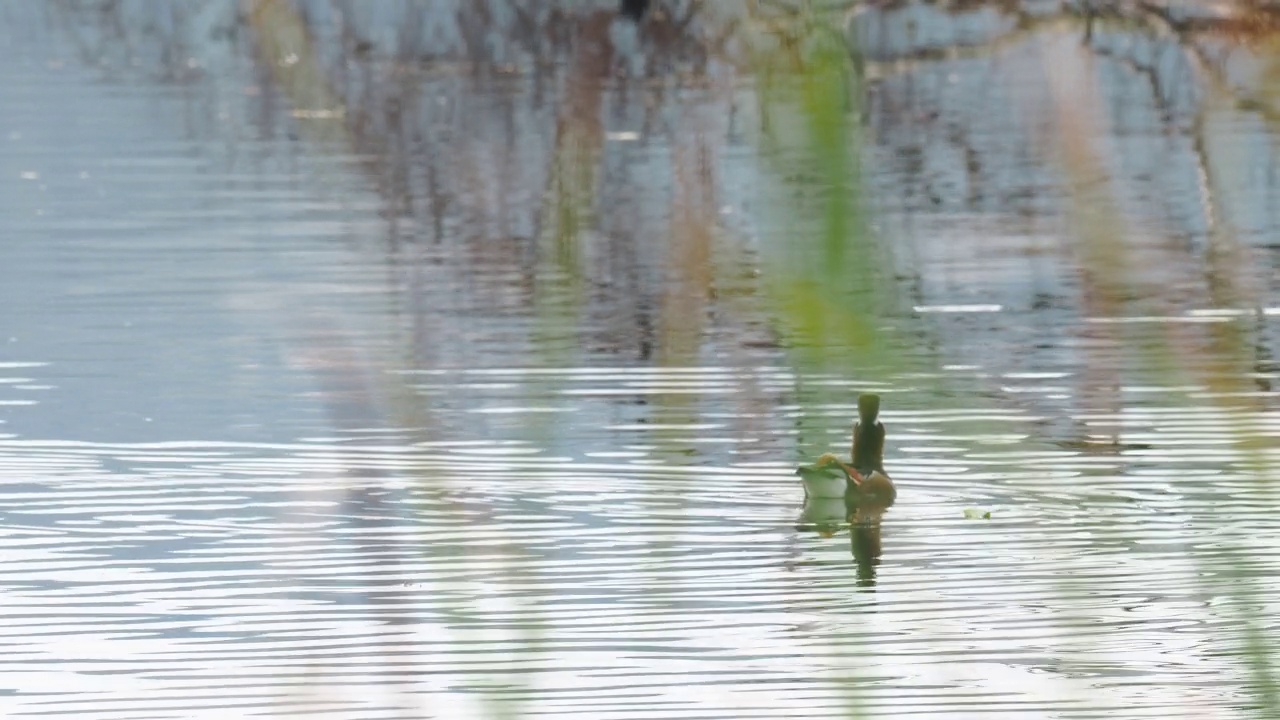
[868, 408]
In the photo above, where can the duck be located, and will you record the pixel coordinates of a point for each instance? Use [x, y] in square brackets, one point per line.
[873, 487]
[864, 483]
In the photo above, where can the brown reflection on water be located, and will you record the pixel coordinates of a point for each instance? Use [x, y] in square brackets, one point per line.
[690, 292]
[1106, 274]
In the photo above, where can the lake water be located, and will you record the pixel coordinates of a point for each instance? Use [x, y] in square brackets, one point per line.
[402, 361]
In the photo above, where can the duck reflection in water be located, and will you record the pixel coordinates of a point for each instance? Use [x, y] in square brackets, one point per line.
[864, 540]
[859, 494]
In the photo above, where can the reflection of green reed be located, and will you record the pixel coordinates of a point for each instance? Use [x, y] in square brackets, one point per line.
[826, 278]
[1225, 376]
[1229, 275]
[558, 297]
[282, 33]
[1178, 353]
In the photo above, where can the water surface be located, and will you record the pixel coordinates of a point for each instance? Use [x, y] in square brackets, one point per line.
[446, 375]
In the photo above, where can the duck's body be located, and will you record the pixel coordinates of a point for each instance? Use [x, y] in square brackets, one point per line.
[826, 486]
[875, 489]
[866, 482]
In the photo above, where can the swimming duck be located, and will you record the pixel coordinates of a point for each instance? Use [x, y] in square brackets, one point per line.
[866, 482]
[874, 486]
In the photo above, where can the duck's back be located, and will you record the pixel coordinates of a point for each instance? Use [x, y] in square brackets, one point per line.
[868, 447]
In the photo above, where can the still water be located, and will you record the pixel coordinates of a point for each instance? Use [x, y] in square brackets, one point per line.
[396, 374]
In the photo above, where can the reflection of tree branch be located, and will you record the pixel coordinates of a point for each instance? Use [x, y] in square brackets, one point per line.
[1150, 74]
[1151, 17]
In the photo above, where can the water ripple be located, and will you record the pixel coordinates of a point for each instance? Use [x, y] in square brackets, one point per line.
[319, 569]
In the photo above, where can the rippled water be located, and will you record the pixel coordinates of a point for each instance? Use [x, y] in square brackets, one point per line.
[270, 449]
[379, 572]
